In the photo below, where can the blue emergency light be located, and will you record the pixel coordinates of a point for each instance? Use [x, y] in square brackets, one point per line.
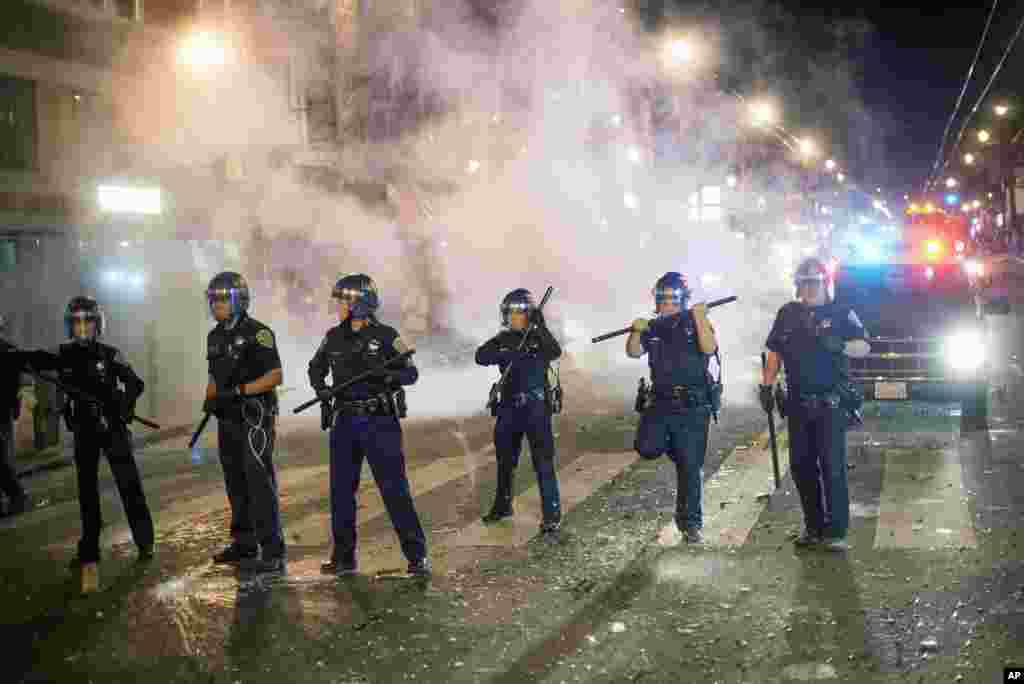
[952, 199]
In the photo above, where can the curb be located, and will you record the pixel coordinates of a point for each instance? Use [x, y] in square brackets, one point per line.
[143, 440]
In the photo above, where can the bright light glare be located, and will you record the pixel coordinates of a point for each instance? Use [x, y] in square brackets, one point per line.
[960, 246]
[974, 268]
[976, 204]
[762, 113]
[984, 136]
[807, 147]
[203, 49]
[830, 165]
[929, 273]
[1001, 110]
[128, 200]
[731, 181]
[951, 183]
[965, 350]
[840, 177]
[869, 250]
[932, 247]
[472, 166]
[629, 199]
[680, 51]
[968, 159]
[634, 154]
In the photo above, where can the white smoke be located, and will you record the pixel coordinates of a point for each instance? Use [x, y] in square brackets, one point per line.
[535, 206]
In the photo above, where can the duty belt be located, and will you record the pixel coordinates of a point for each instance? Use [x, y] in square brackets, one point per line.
[520, 399]
[818, 401]
[376, 406]
[690, 397]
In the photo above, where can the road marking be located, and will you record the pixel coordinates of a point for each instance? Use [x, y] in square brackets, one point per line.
[731, 505]
[576, 481]
[315, 529]
[923, 502]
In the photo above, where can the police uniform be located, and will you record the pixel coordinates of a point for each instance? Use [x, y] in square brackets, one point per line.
[240, 354]
[100, 371]
[810, 341]
[679, 414]
[523, 410]
[366, 425]
[10, 408]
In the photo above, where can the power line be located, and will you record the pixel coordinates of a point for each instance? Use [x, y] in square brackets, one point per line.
[963, 90]
[988, 86]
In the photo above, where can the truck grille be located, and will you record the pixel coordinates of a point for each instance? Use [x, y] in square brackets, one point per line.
[907, 359]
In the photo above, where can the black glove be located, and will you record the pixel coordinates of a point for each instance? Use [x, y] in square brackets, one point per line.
[324, 394]
[832, 343]
[766, 397]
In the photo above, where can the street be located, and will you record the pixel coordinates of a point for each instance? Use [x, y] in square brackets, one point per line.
[933, 585]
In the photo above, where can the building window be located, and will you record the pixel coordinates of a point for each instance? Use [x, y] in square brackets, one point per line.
[17, 124]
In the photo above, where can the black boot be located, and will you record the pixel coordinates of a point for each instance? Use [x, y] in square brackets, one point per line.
[502, 507]
[499, 511]
[343, 565]
[420, 568]
[234, 553]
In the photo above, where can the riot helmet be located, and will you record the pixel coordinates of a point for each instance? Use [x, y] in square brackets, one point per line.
[810, 271]
[233, 288]
[83, 309]
[516, 300]
[359, 290]
[671, 288]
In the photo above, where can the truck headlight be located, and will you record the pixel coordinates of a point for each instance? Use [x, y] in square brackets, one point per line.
[965, 350]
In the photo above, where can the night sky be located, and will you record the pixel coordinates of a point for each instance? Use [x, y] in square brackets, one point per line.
[914, 68]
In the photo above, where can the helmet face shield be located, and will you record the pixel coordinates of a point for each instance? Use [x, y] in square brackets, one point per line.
[231, 289]
[517, 301]
[359, 292]
[671, 289]
[83, 323]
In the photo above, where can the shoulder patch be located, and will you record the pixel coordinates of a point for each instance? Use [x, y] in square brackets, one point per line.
[265, 338]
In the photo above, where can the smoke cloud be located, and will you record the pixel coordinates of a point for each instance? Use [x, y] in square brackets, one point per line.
[497, 183]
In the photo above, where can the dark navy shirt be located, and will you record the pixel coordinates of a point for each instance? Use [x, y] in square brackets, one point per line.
[529, 367]
[346, 353]
[241, 354]
[673, 352]
[797, 335]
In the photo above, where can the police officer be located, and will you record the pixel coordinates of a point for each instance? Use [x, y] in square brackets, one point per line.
[523, 407]
[364, 422]
[245, 369]
[100, 371]
[10, 408]
[811, 337]
[677, 415]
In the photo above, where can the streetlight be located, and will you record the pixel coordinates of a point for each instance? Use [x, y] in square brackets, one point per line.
[203, 49]
[679, 51]
[951, 183]
[840, 177]
[762, 113]
[830, 165]
[1001, 109]
[984, 136]
[969, 159]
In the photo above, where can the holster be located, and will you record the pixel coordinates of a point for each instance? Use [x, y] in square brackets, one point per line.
[780, 401]
[326, 415]
[494, 398]
[850, 397]
[396, 402]
[553, 398]
[643, 396]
